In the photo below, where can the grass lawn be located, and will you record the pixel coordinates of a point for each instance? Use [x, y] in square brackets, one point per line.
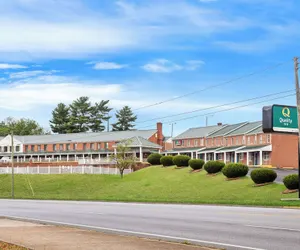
[153, 184]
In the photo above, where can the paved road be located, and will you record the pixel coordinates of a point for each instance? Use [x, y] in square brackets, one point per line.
[218, 226]
[280, 173]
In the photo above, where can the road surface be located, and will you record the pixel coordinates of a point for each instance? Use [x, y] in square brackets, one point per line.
[217, 226]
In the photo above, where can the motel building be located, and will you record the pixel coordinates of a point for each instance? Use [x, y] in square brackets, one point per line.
[84, 148]
[242, 142]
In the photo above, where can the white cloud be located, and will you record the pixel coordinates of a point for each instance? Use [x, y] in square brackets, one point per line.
[31, 73]
[108, 65]
[166, 66]
[11, 66]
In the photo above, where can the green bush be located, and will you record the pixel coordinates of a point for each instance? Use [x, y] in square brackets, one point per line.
[213, 167]
[235, 170]
[167, 161]
[154, 159]
[196, 164]
[291, 181]
[181, 160]
[263, 175]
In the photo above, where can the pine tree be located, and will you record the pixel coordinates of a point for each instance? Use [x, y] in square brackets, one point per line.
[99, 113]
[125, 119]
[80, 115]
[60, 122]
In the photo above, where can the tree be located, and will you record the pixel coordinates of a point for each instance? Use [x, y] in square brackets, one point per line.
[60, 122]
[125, 119]
[80, 114]
[20, 127]
[99, 113]
[124, 157]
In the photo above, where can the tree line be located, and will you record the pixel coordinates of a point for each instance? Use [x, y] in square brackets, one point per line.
[83, 116]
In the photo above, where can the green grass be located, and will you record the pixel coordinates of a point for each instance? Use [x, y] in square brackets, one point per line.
[154, 184]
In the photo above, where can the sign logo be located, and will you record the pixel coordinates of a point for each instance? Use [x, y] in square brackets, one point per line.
[286, 112]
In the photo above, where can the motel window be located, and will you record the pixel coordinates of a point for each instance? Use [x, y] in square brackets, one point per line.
[268, 138]
[45, 147]
[189, 143]
[5, 149]
[26, 148]
[74, 146]
[237, 141]
[0, 149]
[106, 145]
[255, 139]
[266, 156]
[61, 147]
[32, 147]
[260, 139]
[241, 156]
[212, 141]
[226, 141]
[201, 142]
[92, 146]
[196, 143]
[17, 148]
[99, 145]
[248, 140]
[84, 146]
[54, 147]
[68, 146]
[39, 147]
[243, 141]
[232, 141]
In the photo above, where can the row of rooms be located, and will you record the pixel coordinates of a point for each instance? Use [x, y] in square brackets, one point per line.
[257, 139]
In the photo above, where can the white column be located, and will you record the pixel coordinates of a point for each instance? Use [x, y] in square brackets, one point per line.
[225, 160]
[192, 155]
[141, 154]
[17, 158]
[115, 151]
[91, 157]
[260, 158]
[60, 157]
[24, 158]
[247, 158]
[67, 157]
[215, 156]
[205, 157]
[38, 158]
[235, 157]
[99, 157]
[178, 153]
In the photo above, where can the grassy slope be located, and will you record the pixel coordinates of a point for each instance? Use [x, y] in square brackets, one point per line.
[154, 184]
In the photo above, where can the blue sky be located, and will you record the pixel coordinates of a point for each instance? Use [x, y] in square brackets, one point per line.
[138, 53]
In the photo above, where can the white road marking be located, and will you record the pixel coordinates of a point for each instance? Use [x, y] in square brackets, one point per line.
[275, 228]
[159, 236]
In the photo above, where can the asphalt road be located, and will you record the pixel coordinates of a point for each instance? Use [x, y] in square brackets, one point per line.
[218, 226]
[281, 173]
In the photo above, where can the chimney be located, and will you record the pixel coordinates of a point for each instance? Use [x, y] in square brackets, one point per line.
[159, 134]
[220, 124]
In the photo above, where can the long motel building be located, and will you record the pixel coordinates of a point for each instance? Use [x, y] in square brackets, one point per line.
[81, 147]
[242, 142]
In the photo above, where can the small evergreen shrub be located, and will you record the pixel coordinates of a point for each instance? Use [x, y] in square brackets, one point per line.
[235, 170]
[181, 160]
[263, 175]
[154, 159]
[196, 164]
[167, 160]
[213, 167]
[291, 181]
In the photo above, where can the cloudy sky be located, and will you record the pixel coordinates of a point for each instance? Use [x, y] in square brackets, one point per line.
[140, 53]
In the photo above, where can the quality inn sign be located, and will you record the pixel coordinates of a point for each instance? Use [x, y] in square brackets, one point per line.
[280, 118]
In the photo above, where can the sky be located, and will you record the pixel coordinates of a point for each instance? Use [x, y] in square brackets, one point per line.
[184, 54]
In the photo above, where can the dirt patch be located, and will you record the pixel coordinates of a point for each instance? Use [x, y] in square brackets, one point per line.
[180, 167]
[262, 184]
[195, 171]
[233, 179]
[213, 174]
[290, 191]
[8, 246]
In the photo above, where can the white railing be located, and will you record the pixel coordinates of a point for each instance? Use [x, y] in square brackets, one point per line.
[63, 170]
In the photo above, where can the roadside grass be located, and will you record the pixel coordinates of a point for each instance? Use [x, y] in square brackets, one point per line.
[7, 246]
[153, 184]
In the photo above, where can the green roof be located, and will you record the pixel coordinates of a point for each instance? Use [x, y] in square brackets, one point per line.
[245, 129]
[181, 150]
[233, 148]
[256, 131]
[138, 141]
[253, 147]
[226, 130]
[210, 149]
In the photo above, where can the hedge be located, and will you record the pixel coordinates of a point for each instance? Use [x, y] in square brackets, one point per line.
[181, 160]
[154, 159]
[263, 175]
[235, 170]
[291, 181]
[213, 167]
[196, 164]
[167, 161]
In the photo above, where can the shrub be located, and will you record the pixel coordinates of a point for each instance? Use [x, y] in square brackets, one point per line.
[235, 170]
[263, 175]
[213, 167]
[154, 159]
[196, 164]
[167, 161]
[291, 181]
[181, 160]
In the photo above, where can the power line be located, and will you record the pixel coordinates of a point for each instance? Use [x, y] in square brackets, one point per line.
[217, 106]
[213, 86]
[223, 110]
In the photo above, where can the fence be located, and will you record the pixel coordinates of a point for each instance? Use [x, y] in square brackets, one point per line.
[63, 170]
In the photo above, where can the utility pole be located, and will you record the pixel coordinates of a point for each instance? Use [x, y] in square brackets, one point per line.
[12, 166]
[206, 119]
[108, 125]
[296, 68]
[172, 127]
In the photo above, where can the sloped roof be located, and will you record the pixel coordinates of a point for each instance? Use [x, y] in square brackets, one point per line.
[197, 132]
[226, 130]
[245, 129]
[85, 137]
[138, 141]
[256, 131]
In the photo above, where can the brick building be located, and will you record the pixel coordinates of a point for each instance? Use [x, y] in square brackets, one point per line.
[96, 147]
[242, 142]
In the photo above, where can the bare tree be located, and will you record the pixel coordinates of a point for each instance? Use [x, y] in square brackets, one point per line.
[124, 157]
